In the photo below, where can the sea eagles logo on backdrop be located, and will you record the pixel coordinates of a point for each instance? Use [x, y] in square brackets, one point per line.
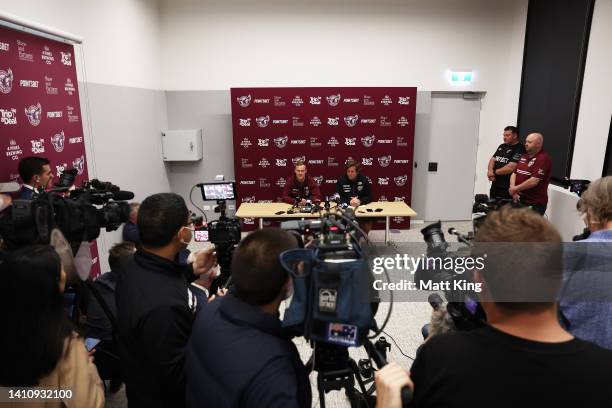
[281, 162]
[262, 121]
[368, 141]
[297, 159]
[318, 179]
[281, 141]
[57, 140]
[333, 100]
[400, 180]
[384, 161]
[244, 101]
[66, 58]
[351, 120]
[34, 113]
[6, 81]
[79, 164]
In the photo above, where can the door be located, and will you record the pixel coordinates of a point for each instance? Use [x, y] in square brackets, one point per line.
[448, 137]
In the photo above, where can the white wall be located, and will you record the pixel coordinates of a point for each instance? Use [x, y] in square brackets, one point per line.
[596, 99]
[121, 37]
[351, 43]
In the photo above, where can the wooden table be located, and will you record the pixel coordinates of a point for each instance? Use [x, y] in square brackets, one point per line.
[270, 210]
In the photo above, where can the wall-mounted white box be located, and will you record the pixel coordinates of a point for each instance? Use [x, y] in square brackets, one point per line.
[182, 145]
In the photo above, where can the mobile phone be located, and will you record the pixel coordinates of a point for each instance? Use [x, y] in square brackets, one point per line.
[200, 235]
[91, 342]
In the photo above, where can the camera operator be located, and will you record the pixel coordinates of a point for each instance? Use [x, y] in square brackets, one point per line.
[300, 187]
[35, 172]
[522, 354]
[529, 182]
[503, 163]
[155, 308]
[39, 346]
[586, 303]
[238, 353]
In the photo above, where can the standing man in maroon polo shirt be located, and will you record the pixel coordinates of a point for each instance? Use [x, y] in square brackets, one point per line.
[529, 182]
[301, 187]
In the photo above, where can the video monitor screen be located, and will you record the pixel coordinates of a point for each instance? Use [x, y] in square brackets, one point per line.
[219, 191]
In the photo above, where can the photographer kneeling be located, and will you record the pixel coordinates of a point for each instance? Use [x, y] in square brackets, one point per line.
[238, 353]
[523, 354]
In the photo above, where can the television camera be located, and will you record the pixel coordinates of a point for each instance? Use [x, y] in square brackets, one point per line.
[79, 213]
[334, 303]
[224, 232]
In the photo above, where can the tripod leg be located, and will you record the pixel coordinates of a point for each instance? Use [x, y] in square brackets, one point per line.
[321, 388]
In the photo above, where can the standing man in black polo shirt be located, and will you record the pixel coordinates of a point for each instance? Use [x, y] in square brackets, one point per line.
[504, 162]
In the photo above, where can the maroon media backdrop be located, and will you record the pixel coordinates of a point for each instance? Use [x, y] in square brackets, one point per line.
[275, 127]
[40, 114]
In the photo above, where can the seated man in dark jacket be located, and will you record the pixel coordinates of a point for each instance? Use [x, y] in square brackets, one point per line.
[238, 354]
[155, 308]
[353, 188]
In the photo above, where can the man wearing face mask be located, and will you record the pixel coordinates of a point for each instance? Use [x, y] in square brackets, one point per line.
[155, 308]
[238, 353]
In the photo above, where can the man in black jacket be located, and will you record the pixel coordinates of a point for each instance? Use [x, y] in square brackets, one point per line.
[155, 308]
[353, 188]
[238, 354]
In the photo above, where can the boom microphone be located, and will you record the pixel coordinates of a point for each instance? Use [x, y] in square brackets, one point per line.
[121, 195]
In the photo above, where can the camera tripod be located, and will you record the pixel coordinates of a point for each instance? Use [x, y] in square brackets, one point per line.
[337, 371]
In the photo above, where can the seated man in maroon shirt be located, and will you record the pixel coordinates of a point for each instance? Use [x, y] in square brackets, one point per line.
[529, 182]
[301, 187]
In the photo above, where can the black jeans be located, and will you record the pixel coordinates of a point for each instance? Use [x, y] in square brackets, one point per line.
[499, 191]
